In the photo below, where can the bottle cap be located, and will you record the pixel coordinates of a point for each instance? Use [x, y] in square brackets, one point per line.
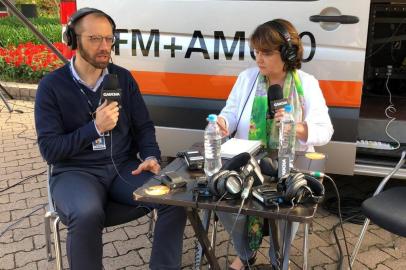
[288, 108]
[212, 118]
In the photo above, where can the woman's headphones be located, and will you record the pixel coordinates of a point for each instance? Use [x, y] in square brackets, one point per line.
[287, 50]
[228, 183]
[69, 36]
[301, 188]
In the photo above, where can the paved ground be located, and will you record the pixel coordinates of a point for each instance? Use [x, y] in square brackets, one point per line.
[128, 247]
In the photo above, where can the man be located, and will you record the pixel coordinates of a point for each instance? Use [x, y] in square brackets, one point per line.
[90, 144]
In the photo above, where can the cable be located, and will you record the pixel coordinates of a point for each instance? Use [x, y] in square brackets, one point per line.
[341, 256]
[114, 164]
[390, 109]
[350, 207]
[387, 40]
[16, 184]
[231, 232]
[21, 219]
[122, 178]
[340, 217]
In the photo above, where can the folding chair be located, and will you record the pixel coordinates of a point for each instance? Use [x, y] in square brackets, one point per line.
[385, 208]
[116, 214]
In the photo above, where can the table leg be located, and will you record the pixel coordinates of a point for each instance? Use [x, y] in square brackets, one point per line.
[199, 249]
[305, 245]
[286, 245]
[201, 235]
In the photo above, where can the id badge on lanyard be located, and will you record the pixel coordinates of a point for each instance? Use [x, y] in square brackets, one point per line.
[100, 143]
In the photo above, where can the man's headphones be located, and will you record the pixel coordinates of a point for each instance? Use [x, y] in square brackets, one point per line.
[301, 188]
[69, 36]
[228, 183]
[287, 50]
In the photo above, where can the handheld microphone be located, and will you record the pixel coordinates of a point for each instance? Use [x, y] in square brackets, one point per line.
[247, 189]
[275, 99]
[111, 89]
[252, 169]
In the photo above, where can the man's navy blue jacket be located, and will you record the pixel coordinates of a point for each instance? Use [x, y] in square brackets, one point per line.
[65, 128]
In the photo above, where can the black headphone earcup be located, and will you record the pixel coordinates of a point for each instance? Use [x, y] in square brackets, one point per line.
[288, 53]
[294, 185]
[216, 183]
[68, 36]
[269, 167]
[317, 188]
[233, 184]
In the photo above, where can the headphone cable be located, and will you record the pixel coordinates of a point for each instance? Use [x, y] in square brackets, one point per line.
[232, 230]
[340, 217]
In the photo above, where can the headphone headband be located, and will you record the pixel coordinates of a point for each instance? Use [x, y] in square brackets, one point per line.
[282, 31]
[70, 36]
[288, 50]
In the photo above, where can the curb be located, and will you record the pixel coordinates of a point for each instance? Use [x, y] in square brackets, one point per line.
[23, 91]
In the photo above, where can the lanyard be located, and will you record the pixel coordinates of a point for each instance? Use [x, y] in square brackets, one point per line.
[89, 103]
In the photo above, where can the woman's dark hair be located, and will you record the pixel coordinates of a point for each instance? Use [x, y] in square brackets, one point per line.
[266, 38]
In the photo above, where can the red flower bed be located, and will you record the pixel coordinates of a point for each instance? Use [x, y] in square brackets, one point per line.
[29, 62]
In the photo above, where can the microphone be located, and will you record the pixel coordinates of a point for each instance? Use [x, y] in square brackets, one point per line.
[253, 169]
[111, 89]
[247, 189]
[275, 99]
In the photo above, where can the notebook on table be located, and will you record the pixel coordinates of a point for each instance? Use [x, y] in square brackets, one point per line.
[234, 146]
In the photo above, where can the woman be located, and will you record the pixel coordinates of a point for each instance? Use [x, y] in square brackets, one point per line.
[278, 53]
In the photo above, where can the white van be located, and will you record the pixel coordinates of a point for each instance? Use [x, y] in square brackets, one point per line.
[186, 55]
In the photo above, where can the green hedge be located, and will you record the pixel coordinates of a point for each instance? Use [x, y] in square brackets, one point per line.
[13, 32]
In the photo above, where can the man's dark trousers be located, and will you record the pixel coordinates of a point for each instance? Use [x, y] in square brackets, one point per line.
[80, 195]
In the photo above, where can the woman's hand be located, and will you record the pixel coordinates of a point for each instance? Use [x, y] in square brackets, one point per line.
[221, 122]
[279, 114]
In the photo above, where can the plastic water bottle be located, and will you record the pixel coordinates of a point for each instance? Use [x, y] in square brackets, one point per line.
[287, 136]
[212, 146]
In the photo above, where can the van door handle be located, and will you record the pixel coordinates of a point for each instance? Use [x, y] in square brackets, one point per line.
[343, 19]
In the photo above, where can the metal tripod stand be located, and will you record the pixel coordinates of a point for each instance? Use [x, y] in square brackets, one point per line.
[10, 110]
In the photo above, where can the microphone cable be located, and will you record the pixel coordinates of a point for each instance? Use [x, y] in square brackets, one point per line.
[340, 223]
[37, 208]
[391, 109]
[243, 108]
[231, 233]
[149, 209]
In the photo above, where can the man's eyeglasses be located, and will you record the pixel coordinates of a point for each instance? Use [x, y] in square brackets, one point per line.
[97, 40]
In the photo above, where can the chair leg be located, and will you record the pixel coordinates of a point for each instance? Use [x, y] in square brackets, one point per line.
[48, 243]
[393, 237]
[214, 233]
[358, 244]
[58, 252]
[152, 221]
[305, 245]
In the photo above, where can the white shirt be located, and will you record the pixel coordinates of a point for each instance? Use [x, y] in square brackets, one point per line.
[316, 115]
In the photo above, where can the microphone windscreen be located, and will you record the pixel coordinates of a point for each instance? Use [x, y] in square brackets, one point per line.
[110, 81]
[275, 92]
[269, 167]
[237, 162]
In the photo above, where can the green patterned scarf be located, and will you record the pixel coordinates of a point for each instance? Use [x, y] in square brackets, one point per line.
[264, 129]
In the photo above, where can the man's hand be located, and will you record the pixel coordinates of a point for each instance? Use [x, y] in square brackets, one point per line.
[221, 122]
[106, 116]
[151, 165]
